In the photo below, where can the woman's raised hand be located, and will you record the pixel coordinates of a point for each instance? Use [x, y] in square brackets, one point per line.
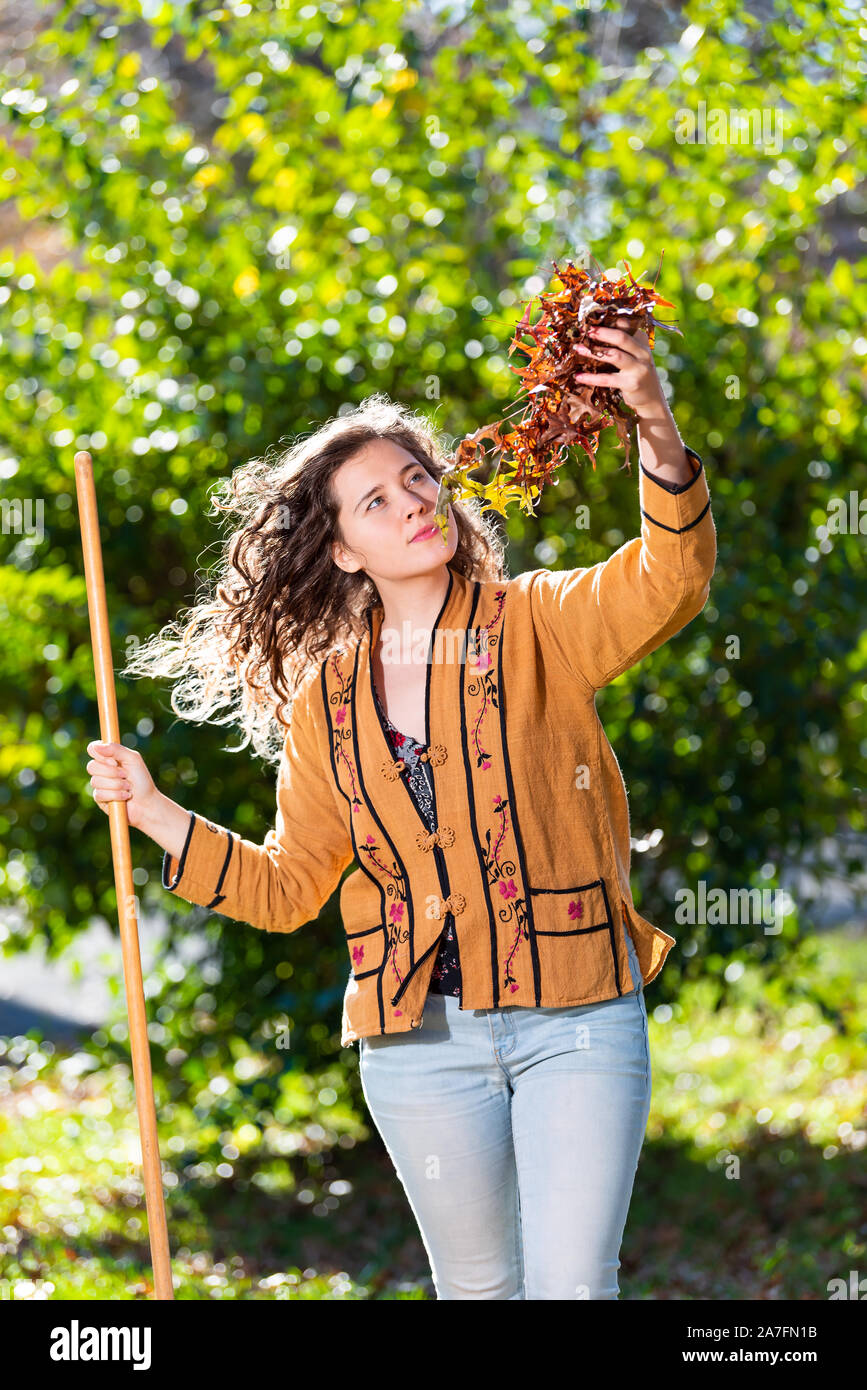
[118, 773]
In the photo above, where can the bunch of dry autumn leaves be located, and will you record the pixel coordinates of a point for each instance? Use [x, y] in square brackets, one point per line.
[555, 413]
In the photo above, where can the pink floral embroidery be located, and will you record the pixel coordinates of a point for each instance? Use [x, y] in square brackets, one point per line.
[483, 687]
[481, 659]
[342, 697]
[500, 804]
[396, 890]
[370, 847]
[357, 954]
[503, 876]
[483, 758]
[520, 932]
[576, 909]
[389, 876]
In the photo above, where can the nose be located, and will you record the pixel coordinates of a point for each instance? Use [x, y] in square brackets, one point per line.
[417, 504]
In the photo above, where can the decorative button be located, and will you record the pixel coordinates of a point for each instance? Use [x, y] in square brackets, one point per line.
[456, 903]
[426, 840]
[392, 769]
[436, 754]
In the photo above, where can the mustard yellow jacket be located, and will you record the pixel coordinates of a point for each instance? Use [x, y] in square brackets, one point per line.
[531, 854]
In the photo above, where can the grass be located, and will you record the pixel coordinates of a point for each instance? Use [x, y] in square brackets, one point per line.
[751, 1184]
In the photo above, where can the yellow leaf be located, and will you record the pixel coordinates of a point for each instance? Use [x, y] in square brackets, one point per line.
[251, 126]
[406, 77]
[129, 65]
[247, 282]
[206, 176]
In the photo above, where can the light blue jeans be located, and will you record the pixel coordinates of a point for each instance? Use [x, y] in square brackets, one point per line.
[516, 1134]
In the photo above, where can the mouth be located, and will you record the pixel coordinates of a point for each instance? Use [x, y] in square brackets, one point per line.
[427, 534]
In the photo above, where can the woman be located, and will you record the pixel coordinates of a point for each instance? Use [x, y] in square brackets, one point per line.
[444, 739]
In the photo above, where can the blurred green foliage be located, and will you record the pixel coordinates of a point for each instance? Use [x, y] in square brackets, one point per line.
[243, 218]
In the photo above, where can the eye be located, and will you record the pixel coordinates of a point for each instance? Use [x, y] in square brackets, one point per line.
[418, 474]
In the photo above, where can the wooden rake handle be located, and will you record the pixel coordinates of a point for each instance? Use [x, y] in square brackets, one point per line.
[126, 900]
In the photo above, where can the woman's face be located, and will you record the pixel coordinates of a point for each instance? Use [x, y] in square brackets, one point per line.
[385, 497]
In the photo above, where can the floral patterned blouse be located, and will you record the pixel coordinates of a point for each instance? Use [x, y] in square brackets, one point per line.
[446, 977]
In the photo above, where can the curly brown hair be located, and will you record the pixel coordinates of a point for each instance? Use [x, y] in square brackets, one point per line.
[281, 604]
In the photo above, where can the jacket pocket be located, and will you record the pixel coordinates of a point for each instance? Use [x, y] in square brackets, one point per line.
[578, 952]
[571, 911]
[366, 950]
[361, 914]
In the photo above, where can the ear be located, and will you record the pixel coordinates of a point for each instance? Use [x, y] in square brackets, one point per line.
[342, 560]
